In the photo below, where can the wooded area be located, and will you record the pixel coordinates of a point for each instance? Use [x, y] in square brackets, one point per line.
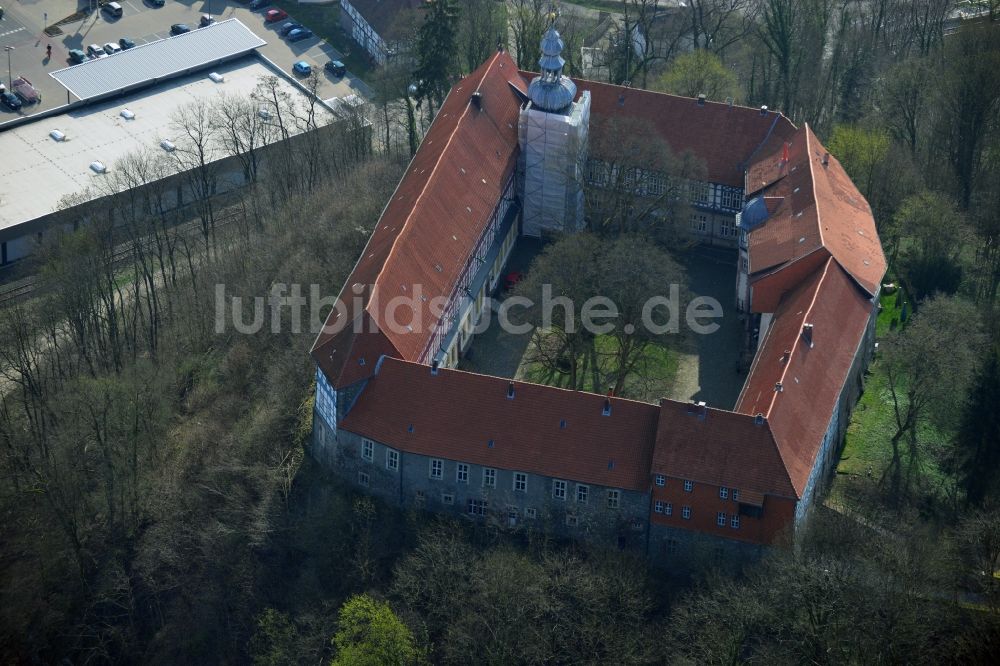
[158, 502]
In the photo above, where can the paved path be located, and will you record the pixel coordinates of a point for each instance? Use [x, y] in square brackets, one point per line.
[707, 370]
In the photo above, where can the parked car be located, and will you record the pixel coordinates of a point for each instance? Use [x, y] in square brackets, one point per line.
[512, 279]
[302, 68]
[206, 20]
[114, 9]
[23, 88]
[11, 101]
[335, 67]
[179, 29]
[258, 4]
[111, 48]
[126, 43]
[77, 56]
[275, 15]
[96, 51]
[288, 27]
[299, 34]
[156, 3]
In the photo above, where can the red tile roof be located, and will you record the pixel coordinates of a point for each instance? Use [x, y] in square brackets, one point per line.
[455, 414]
[723, 137]
[812, 262]
[820, 208]
[719, 447]
[811, 377]
[429, 227]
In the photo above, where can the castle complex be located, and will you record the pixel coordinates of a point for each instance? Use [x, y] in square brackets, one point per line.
[510, 155]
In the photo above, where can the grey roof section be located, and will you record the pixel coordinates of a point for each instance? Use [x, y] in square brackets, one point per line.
[148, 63]
[552, 91]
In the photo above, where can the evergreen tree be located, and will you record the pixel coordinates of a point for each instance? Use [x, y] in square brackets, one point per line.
[978, 439]
[437, 48]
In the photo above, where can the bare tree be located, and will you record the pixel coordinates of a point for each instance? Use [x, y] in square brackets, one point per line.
[197, 152]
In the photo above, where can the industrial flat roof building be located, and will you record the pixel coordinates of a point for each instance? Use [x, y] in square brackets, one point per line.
[147, 64]
[127, 104]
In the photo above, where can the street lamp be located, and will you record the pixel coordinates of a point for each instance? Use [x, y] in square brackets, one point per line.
[10, 77]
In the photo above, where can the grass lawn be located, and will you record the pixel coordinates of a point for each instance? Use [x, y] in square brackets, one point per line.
[324, 20]
[651, 379]
[867, 450]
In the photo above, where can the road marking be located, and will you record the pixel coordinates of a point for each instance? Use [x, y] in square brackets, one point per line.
[137, 10]
[11, 32]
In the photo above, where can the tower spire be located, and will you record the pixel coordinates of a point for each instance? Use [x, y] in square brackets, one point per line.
[552, 91]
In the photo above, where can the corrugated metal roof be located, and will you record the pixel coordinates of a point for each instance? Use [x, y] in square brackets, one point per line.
[147, 63]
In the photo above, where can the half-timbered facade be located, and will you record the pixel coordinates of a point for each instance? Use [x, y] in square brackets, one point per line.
[394, 418]
[380, 27]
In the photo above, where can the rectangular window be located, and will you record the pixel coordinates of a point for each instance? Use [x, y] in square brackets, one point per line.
[658, 506]
[391, 459]
[581, 493]
[736, 495]
[661, 480]
[437, 468]
[699, 192]
[614, 497]
[686, 513]
[668, 509]
[447, 498]
[363, 478]
[571, 520]
[531, 513]
[734, 522]
[489, 477]
[727, 229]
[699, 223]
[520, 482]
[656, 184]
[477, 507]
[559, 489]
[597, 172]
[732, 198]
[367, 449]
[720, 519]
[688, 486]
[420, 497]
[723, 492]
[462, 473]
[671, 547]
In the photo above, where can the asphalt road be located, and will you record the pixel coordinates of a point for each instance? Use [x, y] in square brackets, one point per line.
[23, 28]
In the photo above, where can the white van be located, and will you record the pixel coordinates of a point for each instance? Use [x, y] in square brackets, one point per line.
[114, 9]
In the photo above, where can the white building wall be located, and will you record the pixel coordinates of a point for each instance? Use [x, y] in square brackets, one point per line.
[553, 162]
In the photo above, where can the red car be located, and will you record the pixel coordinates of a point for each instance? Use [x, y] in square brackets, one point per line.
[511, 279]
[274, 15]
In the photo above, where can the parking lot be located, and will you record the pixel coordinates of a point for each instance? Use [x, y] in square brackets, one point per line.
[24, 22]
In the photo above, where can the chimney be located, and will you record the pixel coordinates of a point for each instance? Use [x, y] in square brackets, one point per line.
[758, 419]
[621, 99]
[787, 354]
[510, 391]
[763, 110]
[434, 367]
[826, 159]
[807, 334]
[701, 99]
[702, 410]
[778, 388]
[477, 100]
[607, 407]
